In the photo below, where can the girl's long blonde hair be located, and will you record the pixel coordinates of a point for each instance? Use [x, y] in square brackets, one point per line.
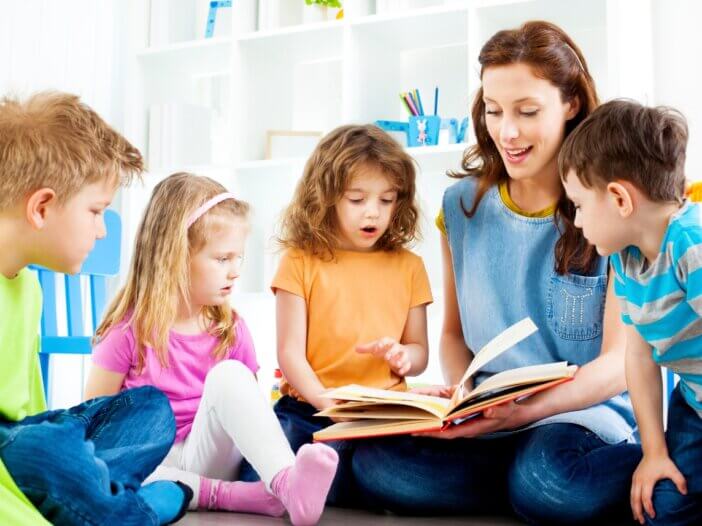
[158, 279]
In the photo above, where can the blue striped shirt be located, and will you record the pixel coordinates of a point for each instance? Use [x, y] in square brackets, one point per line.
[663, 300]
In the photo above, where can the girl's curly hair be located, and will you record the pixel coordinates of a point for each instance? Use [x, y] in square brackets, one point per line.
[309, 223]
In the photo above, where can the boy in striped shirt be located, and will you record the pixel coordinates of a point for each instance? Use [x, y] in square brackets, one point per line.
[623, 169]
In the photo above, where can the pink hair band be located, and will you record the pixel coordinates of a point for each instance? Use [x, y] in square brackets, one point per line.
[197, 214]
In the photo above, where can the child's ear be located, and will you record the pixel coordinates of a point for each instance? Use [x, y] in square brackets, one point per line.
[37, 206]
[574, 108]
[622, 198]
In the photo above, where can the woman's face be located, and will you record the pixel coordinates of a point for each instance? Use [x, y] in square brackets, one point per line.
[525, 117]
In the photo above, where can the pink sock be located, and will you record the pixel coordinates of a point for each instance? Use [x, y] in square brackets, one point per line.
[245, 497]
[303, 487]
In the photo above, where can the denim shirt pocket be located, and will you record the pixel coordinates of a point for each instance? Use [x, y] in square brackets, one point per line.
[576, 305]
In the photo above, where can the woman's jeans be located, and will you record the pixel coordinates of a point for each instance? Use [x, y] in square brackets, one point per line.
[84, 465]
[553, 474]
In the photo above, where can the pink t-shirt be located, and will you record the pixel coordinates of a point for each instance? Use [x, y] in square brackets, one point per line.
[189, 358]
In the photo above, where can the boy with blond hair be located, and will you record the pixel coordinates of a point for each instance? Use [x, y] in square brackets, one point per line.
[623, 169]
[60, 165]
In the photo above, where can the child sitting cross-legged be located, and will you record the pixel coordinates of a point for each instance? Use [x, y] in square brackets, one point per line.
[172, 327]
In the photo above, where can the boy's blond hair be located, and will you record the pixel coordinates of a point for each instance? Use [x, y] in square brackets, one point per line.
[54, 140]
[158, 279]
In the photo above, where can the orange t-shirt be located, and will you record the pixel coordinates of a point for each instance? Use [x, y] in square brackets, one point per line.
[356, 298]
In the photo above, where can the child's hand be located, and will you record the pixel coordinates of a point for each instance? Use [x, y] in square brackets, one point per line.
[391, 351]
[443, 391]
[651, 469]
[326, 403]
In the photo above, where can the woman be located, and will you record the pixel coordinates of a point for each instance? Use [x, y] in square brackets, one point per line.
[510, 250]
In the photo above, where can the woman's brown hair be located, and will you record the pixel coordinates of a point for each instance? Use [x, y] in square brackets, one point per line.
[310, 224]
[553, 56]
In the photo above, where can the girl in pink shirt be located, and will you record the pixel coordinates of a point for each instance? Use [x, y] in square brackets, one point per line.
[171, 326]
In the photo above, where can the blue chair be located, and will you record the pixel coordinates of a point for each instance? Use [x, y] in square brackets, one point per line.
[103, 261]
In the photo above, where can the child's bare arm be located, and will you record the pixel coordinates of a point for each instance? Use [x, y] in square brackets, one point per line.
[644, 383]
[643, 378]
[291, 321]
[102, 382]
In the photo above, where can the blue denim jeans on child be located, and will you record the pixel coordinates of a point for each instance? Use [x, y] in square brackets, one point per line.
[684, 440]
[84, 465]
[553, 474]
[299, 423]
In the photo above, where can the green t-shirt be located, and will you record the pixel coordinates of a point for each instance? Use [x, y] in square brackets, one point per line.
[21, 390]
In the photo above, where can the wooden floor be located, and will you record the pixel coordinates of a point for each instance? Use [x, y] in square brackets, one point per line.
[345, 517]
[339, 517]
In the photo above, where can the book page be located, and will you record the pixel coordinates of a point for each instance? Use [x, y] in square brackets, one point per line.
[432, 404]
[371, 428]
[378, 410]
[499, 344]
[472, 408]
[525, 375]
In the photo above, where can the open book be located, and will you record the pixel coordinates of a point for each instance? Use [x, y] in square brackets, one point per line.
[379, 412]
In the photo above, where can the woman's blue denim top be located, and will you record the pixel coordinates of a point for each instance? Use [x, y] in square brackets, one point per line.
[504, 265]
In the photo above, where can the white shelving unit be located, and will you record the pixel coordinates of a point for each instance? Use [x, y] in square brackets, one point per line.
[317, 76]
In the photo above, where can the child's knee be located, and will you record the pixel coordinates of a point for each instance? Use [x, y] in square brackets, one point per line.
[152, 405]
[147, 394]
[231, 377]
[226, 370]
[672, 507]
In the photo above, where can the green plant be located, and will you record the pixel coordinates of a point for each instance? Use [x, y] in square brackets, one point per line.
[327, 3]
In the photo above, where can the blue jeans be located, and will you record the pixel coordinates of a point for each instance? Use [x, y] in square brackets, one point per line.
[553, 474]
[84, 465]
[299, 423]
[684, 440]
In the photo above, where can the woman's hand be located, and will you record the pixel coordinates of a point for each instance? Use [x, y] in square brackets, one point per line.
[501, 417]
[651, 469]
[393, 352]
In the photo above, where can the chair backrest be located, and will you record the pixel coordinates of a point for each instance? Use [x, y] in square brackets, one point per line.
[102, 262]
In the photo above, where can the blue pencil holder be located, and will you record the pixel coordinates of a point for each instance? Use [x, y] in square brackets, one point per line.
[423, 130]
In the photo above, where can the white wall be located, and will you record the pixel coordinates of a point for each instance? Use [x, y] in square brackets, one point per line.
[677, 74]
[64, 45]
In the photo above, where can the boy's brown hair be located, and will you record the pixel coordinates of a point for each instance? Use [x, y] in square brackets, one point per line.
[310, 223]
[625, 141]
[54, 140]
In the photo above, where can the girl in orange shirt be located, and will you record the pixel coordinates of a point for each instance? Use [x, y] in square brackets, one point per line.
[351, 299]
